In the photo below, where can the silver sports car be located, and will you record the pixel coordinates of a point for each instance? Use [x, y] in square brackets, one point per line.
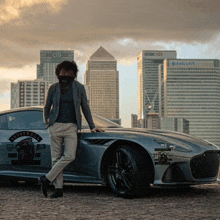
[126, 159]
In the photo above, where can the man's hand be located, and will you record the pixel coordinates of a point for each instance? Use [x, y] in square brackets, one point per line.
[95, 130]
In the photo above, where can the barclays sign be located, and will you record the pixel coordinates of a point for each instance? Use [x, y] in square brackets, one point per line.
[182, 63]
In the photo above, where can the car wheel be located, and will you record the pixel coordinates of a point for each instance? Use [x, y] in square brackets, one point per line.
[129, 172]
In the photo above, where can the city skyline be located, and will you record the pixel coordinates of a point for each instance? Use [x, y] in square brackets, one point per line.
[189, 27]
[126, 119]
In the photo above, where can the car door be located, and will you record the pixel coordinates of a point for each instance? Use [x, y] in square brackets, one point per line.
[24, 142]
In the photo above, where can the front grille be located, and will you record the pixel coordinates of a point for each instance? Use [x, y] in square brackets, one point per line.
[205, 165]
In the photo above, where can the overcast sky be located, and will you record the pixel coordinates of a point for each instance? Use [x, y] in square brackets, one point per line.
[122, 27]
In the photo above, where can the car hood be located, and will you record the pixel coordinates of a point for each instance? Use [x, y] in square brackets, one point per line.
[170, 137]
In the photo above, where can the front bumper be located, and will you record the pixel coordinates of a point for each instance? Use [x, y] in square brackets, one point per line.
[200, 169]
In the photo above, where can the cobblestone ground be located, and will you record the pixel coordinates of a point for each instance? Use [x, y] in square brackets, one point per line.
[97, 202]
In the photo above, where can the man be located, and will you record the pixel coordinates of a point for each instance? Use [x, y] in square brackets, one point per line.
[62, 117]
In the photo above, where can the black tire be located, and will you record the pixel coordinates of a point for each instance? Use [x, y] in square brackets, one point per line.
[129, 172]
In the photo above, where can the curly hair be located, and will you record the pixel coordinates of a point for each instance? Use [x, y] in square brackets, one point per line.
[67, 65]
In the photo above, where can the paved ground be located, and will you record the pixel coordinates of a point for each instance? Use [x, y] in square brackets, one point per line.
[97, 202]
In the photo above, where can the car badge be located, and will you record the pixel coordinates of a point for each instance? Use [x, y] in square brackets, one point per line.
[10, 147]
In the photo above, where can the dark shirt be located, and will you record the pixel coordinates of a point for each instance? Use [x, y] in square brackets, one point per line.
[67, 112]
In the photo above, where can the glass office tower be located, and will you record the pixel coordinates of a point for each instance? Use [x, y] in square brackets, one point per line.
[102, 78]
[148, 83]
[192, 92]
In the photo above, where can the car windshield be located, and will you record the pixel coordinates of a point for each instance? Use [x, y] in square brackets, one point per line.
[23, 120]
[100, 122]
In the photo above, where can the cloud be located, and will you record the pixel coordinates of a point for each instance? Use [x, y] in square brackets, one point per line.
[7, 76]
[28, 72]
[30, 26]
[12, 9]
[4, 106]
[5, 86]
[4, 95]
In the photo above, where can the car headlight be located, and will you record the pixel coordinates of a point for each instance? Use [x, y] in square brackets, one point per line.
[183, 148]
[172, 146]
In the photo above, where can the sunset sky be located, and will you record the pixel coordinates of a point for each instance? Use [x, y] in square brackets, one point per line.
[123, 27]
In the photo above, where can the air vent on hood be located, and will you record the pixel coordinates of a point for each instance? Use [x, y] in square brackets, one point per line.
[98, 141]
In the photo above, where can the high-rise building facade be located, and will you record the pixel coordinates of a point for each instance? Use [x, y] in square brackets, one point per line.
[192, 92]
[49, 59]
[174, 124]
[153, 121]
[102, 78]
[148, 84]
[28, 93]
[134, 120]
[161, 90]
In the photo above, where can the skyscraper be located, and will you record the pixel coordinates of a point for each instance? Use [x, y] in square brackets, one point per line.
[102, 78]
[148, 84]
[161, 90]
[192, 92]
[49, 59]
[28, 93]
[134, 121]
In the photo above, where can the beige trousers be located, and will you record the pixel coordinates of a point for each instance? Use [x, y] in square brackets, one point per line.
[61, 133]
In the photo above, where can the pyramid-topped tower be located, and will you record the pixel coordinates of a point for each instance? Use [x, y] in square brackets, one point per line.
[101, 77]
[102, 54]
